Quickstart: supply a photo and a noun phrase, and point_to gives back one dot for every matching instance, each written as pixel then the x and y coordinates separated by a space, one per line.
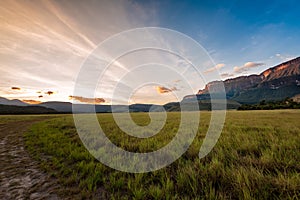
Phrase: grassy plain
pixel 256 157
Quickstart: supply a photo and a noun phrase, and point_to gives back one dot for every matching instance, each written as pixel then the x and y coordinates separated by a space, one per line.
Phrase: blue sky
pixel 235 32
pixel 44 43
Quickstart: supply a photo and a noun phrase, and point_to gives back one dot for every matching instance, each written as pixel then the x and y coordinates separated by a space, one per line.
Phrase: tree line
pixel 287 103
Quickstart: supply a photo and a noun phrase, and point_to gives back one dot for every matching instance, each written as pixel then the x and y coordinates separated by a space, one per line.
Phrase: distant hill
pixel 14 102
pixel 203 105
pixel 58 106
pixel 10 109
pixel 67 107
pixel 273 84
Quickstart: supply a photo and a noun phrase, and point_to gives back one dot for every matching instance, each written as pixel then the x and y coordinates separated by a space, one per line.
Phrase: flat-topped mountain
pixel 275 83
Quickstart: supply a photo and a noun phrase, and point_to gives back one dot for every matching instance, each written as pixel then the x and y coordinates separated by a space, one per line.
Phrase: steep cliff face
pixel 287 69
pixel 274 83
pixel 285 74
pixel 232 85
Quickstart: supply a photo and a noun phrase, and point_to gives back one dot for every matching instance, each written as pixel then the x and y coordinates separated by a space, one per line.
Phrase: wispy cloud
pixel 177 80
pixel 45 42
pixel 227 75
pixel 162 90
pixel 217 67
pixel 284 57
pixel 87 100
pixel 30 101
pixel 246 67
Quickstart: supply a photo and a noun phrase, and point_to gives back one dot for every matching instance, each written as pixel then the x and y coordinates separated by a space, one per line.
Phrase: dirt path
pixel 20 176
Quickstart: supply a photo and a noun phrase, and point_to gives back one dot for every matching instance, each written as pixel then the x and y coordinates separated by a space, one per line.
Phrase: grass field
pixel 256 157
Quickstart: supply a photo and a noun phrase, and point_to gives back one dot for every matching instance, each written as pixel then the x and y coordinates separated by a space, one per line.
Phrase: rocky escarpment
pixel 232 86
pixel 274 83
pixel 286 69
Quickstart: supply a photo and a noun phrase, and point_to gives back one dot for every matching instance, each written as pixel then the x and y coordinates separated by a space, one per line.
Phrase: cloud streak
pixel 226 75
pixel 163 90
pixel 30 101
pixel 246 67
pixel 15 88
pixel 217 67
pixel 87 100
pixel 45 42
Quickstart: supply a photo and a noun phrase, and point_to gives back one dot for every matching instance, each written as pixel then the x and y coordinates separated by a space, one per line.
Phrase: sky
pixel 44 44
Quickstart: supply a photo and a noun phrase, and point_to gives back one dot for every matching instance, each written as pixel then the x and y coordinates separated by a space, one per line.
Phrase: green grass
pixel 4 119
pixel 256 157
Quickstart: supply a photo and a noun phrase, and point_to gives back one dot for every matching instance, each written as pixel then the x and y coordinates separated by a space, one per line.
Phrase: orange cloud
pixel 49 93
pixel 87 100
pixel 162 90
pixel 15 88
pixel 30 101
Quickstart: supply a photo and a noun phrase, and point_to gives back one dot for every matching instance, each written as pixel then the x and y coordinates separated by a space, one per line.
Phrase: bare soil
pixel 20 175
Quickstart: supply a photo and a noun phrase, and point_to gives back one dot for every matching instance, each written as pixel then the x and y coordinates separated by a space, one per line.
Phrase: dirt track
pixel 20 176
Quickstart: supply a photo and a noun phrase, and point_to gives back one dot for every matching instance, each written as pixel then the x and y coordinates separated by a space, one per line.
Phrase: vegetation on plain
pixel 256 157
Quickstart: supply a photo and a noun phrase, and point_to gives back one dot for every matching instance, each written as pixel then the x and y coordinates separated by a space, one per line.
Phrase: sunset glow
pixel 44 43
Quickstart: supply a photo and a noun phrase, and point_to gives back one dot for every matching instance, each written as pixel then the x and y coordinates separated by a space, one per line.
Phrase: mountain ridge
pixel 67 107
pixel 13 102
pixel 275 83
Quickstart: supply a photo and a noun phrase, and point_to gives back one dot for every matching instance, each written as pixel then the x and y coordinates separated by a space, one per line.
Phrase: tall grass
pixel 256 157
